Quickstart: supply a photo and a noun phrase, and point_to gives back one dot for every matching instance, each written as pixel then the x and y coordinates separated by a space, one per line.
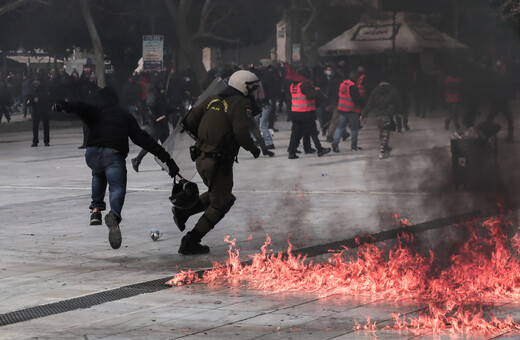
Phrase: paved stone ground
pixel 49 253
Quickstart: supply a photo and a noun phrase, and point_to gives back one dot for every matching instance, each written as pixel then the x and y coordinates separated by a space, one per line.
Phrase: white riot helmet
pixel 243 81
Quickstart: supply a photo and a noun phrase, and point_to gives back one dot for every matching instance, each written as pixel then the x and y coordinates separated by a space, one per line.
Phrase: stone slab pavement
pixel 49 253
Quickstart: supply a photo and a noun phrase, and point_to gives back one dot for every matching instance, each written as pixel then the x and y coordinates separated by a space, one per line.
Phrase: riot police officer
pixel 221 125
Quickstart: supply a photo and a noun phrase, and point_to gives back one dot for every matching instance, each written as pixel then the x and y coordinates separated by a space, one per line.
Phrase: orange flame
pixel 484 270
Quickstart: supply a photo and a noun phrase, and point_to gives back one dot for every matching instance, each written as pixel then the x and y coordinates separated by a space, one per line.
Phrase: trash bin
pixel 474 163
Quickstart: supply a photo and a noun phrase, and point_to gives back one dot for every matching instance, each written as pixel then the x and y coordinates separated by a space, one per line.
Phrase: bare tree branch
pixel 96 42
pixel 12 6
pixel 221 19
pixel 193 54
pixel 210 36
pixel 184 7
pixel 204 14
pixel 312 17
pixel 171 8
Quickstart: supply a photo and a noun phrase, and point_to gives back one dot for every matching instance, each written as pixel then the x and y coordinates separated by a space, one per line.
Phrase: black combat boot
pixel 190 244
pixel 135 164
pixel 180 216
pixel 335 147
pixel 323 151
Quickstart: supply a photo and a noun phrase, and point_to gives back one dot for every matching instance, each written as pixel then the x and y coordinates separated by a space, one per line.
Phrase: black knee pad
pixel 230 204
pixel 223 212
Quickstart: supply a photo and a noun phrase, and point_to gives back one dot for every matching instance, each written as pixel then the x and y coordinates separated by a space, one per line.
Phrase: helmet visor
pixel 256 90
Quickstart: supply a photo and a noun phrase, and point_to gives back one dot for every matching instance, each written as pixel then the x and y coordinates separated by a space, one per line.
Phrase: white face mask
pixel 328 73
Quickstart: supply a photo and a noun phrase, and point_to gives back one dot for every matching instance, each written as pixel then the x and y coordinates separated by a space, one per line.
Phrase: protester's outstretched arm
pixel 85 112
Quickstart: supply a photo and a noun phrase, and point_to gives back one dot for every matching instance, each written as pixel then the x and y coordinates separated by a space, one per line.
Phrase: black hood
pixel 384 87
pixel 107 96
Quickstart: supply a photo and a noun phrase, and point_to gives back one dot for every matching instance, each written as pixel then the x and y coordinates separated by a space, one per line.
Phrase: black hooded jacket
pixel 110 125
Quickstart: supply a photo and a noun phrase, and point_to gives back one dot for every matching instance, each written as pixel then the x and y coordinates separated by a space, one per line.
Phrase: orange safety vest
pixel 345 102
pixel 452 91
pixel 299 101
pixel 361 87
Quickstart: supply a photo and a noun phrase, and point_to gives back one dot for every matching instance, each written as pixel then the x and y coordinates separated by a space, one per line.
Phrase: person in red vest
pixel 452 84
pixel 303 115
pixel 361 82
pixel 350 104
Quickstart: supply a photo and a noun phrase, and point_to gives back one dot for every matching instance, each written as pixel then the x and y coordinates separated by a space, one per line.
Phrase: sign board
pixel 376 32
pixel 296 53
pixel 153 52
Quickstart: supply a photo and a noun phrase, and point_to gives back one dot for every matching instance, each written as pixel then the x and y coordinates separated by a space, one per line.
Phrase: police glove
pixel 256 152
pixel 173 169
pixel 60 106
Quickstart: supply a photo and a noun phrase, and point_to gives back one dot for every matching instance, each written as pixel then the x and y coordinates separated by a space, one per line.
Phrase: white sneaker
pixel 271 131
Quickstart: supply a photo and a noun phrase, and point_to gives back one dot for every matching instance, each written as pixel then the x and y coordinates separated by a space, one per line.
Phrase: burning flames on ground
pixel 484 270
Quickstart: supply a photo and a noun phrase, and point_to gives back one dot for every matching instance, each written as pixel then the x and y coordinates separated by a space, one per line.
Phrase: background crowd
pixel 473 88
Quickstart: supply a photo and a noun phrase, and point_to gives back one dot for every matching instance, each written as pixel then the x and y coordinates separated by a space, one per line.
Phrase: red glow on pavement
pixel 483 271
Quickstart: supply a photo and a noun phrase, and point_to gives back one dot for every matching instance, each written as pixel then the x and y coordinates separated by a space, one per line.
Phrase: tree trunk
pixel 309 54
pixel 308 51
pixel 96 42
pixel 191 52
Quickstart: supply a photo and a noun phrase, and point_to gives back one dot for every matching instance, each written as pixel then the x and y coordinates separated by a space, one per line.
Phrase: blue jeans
pixel 108 166
pixel 264 124
pixel 352 119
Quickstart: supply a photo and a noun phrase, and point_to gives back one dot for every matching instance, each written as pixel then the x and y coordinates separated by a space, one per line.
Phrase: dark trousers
pixel 384 133
pixel 333 123
pixel 324 118
pixel 216 202
pixel 301 130
pixel 4 111
pixel 272 115
pixel 406 109
pixel 44 117
pixel 453 113
pixel 25 108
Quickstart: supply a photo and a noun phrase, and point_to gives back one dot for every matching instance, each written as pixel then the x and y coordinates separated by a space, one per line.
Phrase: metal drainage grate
pixel 82 302
pixel 88 301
